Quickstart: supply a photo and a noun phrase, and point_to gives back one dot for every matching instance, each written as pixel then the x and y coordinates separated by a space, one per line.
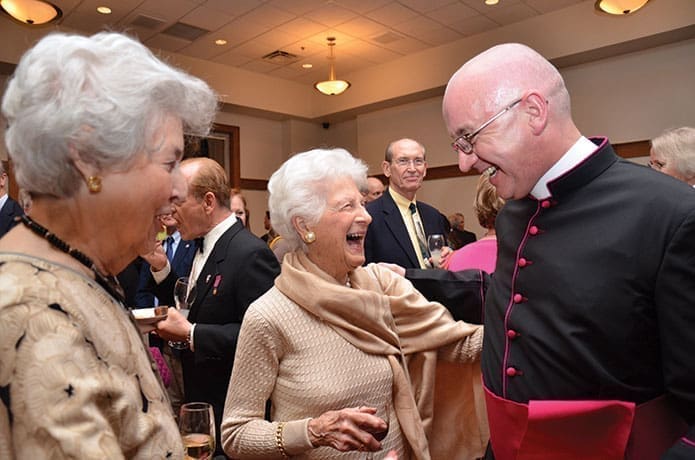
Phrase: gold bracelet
pixel 278 440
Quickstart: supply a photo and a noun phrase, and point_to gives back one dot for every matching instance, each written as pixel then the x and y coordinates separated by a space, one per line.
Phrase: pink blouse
pixel 480 254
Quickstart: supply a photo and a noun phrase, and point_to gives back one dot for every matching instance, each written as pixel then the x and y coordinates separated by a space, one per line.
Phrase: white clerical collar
pixel 580 151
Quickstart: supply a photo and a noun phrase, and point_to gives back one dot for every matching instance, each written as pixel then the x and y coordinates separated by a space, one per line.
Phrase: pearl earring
pixel 309 237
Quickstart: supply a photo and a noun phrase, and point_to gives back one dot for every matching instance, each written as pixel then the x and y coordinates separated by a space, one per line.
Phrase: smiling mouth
pixel 355 237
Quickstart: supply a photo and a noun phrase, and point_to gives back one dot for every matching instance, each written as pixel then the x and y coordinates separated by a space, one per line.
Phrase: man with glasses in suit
pixel 400 224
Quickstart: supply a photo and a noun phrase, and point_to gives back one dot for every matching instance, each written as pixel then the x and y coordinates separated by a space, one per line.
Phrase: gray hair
pixel 103 96
pixel 678 147
pixel 388 154
pixel 300 187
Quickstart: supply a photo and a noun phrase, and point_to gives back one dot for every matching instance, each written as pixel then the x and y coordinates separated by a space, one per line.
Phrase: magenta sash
pixel 581 430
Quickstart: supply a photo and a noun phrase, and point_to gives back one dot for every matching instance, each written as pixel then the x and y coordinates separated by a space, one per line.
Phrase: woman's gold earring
pixel 94 184
pixel 309 237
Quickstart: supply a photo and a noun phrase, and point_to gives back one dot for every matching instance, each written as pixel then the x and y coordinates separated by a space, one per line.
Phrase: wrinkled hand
pixel 157 258
pixel 445 257
pixel 175 327
pixel 393 267
pixel 347 429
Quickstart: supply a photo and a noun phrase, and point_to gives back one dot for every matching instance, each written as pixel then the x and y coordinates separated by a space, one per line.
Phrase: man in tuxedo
pixel 231 269
pixel 400 224
pixel 9 208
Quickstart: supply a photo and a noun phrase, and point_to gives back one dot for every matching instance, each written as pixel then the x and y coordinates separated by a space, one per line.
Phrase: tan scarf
pixel 407 328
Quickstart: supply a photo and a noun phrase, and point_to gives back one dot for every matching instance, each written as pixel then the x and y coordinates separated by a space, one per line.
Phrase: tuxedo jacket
pixel 9 211
pixel 180 266
pixel 387 238
pixel 239 269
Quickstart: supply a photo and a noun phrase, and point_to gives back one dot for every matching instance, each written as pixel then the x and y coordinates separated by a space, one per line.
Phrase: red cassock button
pixel 545 204
pixel 518 298
pixel 533 230
pixel 511 372
pixel 512 334
pixel 522 262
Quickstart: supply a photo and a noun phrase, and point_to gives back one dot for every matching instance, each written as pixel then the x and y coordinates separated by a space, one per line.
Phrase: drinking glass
pixel 197 428
pixel 184 298
pixel 435 244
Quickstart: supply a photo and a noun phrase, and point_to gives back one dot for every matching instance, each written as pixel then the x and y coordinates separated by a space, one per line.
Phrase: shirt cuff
pixel 190 338
pixel 161 274
pixel 295 437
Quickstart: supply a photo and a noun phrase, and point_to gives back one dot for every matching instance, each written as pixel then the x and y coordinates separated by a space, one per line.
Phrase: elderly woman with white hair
pixel 347 355
pixel 95 131
pixel 673 153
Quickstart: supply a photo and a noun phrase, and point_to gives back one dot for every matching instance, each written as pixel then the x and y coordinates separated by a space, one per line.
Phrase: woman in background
pixel 95 131
pixel 481 254
pixel 673 153
pixel 340 349
pixel 237 203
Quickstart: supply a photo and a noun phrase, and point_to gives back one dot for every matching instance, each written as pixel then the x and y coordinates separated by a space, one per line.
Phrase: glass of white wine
pixel 184 298
pixel 435 244
pixel 197 427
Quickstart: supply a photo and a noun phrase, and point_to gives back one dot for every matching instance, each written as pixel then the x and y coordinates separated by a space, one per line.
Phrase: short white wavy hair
pixel 301 185
pixel 102 95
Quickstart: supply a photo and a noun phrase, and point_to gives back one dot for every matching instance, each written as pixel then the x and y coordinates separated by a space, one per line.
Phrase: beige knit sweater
pixel 305 367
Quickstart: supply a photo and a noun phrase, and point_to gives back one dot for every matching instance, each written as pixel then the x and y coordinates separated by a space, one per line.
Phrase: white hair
pixel 677 145
pixel 300 187
pixel 103 96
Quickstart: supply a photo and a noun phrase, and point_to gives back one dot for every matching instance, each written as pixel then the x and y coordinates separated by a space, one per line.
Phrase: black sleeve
pixel 463 292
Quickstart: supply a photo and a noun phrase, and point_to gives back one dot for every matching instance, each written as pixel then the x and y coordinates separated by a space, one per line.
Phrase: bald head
pixel 512 106
pixel 375 188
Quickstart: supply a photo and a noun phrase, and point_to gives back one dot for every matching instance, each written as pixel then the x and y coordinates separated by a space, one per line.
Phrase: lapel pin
pixel 207 279
pixel 216 284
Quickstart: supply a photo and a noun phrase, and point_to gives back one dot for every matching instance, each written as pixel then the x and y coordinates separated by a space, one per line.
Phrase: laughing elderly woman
pixel 339 349
pixel 95 133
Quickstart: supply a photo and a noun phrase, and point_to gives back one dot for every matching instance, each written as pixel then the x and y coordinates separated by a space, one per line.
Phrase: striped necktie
pixel 420 234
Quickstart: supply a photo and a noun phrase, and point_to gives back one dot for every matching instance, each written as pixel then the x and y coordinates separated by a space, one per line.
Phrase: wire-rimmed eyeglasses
pixel 464 143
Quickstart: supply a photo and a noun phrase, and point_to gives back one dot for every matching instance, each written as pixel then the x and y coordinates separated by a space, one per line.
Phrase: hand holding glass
pixel 197 427
pixel 184 298
pixel 435 244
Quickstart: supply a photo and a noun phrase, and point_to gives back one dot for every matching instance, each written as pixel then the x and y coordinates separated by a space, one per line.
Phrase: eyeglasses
pixel 405 162
pixel 656 164
pixel 464 143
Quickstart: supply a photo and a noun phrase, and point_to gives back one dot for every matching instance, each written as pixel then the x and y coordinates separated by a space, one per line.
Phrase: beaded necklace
pixel 109 283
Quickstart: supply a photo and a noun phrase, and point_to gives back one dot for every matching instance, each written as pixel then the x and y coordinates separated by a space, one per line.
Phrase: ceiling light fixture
pixel 103 10
pixel 619 7
pixel 31 12
pixel 491 2
pixel 332 87
pixel 220 42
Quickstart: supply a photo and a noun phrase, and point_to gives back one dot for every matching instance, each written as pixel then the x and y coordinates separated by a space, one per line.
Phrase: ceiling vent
pixel 386 38
pixel 147 22
pixel 280 57
pixel 185 31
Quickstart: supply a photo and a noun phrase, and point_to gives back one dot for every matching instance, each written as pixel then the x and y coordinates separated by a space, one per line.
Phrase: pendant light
pixel 31 12
pixel 332 86
pixel 619 7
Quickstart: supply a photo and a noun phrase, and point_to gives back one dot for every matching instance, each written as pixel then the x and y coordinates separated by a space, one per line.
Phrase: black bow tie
pixel 199 243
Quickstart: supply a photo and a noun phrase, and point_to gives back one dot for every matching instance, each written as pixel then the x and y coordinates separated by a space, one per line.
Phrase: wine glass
pixel 435 244
pixel 383 411
pixel 197 428
pixel 184 298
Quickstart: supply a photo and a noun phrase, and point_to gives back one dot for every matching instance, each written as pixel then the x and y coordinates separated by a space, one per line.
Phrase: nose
pixel 365 216
pixel 179 189
pixel 466 161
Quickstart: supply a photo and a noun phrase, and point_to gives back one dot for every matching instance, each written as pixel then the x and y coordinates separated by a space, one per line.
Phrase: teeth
pixel 354 236
pixel 491 171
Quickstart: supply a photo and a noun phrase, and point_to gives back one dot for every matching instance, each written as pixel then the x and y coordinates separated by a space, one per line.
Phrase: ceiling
pixel 367 32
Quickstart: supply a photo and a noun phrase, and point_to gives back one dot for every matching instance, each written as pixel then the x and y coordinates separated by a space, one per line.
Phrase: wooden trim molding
pixel 625 150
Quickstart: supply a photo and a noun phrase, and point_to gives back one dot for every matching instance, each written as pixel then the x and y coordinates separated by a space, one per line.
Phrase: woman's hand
pixel 157 258
pixel 445 257
pixel 347 429
pixel 175 327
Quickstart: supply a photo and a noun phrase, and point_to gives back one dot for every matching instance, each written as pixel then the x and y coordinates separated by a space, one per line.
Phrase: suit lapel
pixel 212 268
pixel 394 221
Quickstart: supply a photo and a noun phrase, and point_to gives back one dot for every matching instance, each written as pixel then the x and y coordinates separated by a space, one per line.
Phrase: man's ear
pixel 537 109
pixel 386 168
pixel 210 202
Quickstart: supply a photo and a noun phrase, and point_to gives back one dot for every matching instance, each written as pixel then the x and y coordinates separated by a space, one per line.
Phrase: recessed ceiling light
pixel 104 9
pixel 307 66
pixel 491 2
pixel 220 42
